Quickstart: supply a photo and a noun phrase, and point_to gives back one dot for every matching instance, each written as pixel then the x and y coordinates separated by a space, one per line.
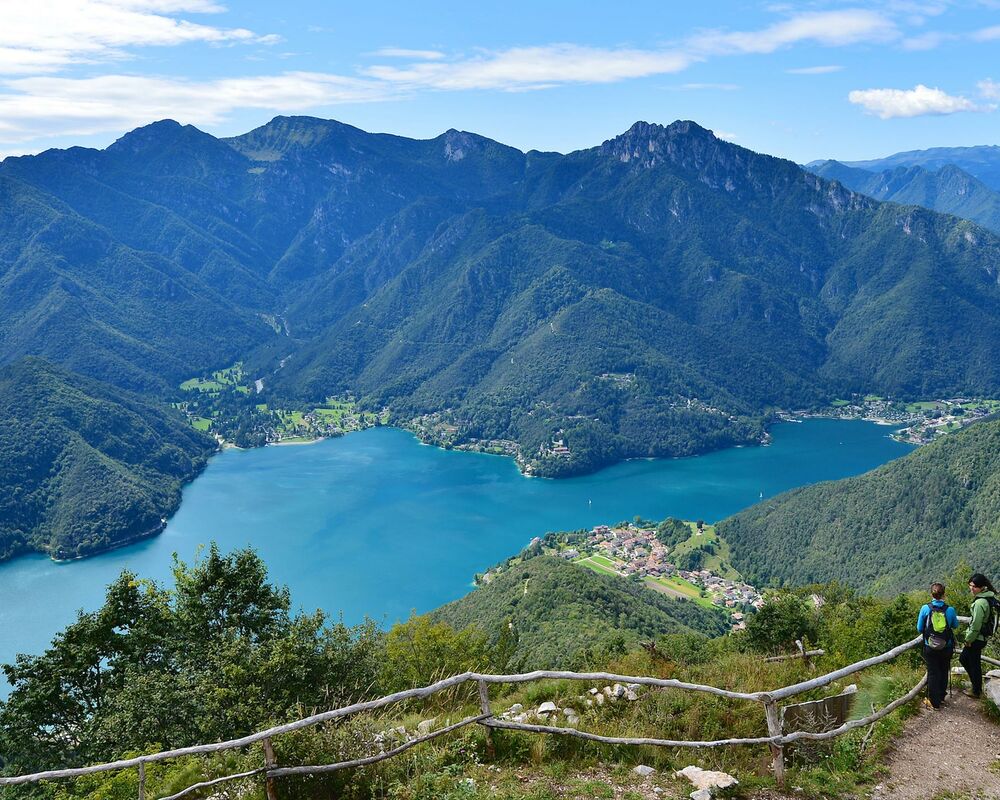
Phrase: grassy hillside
pixel 566 616
pixel 86 466
pixel 895 528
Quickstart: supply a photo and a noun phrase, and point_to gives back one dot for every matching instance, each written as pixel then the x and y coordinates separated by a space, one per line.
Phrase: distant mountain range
pixel 948 189
pixel 656 295
pixel 982 162
pixel 896 528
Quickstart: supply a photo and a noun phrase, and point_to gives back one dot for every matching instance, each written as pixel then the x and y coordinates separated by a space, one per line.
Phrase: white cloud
pixel 522 68
pixel 119 102
pixel 828 28
pixel 402 52
pixel 987 34
pixel 989 89
pixel 720 87
pixel 915 102
pixel 46 35
pixel 927 41
pixel 820 70
pixel 533 68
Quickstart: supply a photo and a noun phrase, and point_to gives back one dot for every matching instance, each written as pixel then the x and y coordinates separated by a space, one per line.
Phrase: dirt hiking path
pixel 964 765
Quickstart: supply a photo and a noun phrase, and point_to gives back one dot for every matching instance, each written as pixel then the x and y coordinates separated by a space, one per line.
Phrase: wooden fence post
pixel 142 780
pixel 777 750
pixel 484 707
pixel 270 762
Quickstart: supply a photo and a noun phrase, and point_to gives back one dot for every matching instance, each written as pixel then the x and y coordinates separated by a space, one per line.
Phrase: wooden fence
pixel 776 739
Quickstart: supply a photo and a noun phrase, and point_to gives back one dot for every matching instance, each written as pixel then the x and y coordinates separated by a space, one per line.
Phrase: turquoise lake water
pixel 377 524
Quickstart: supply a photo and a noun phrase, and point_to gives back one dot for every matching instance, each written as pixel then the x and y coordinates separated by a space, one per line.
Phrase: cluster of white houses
pixel 637 551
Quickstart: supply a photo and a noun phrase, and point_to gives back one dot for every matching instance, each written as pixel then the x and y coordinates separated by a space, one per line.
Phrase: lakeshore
pixel 374 524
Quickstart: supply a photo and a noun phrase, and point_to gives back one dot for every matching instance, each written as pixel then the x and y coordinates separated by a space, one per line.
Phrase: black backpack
pixel 933 638
pixel 992 616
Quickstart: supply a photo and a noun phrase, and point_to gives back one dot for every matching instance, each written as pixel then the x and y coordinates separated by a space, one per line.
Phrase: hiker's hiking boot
pixel 973 695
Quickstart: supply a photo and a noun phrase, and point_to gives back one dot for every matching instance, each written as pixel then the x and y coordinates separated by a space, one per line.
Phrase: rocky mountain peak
pixel 648 144
pixel 160 134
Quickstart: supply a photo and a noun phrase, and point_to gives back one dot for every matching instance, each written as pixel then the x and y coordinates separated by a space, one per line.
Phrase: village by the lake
pixel 679 558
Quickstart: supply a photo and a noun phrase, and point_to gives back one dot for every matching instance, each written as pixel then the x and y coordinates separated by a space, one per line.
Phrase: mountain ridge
pixel 658 294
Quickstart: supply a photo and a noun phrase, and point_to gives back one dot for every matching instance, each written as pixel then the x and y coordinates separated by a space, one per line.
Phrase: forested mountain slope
pixel 652 296
pixel 898 527
pixel 69 291
pixel 86 467
pixel 656 295
pixel 949 190
pixel 563 616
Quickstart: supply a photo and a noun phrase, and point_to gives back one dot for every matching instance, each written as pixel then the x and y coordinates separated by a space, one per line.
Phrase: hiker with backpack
pixel 937 623
pixel 985 615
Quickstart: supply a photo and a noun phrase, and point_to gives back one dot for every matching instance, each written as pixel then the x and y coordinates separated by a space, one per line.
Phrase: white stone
pixel 992 686
pixel 547 707
pixel 701 794
pixel 573 720
pixel 630 695
pixel 595 691
pixel 607 691
pixel 426 726
pixel 705 778
pixel 599 699
pixel 643 770
pixel 569 712
pixel 635 687
pixel 618 690
pixel 517 708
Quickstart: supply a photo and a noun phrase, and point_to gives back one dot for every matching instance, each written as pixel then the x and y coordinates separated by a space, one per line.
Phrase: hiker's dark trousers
pixel 971 659
pixel 938 663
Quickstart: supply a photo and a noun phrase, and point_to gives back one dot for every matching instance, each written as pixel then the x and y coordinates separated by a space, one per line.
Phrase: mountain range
pixel 982 161
pixel 656 295
pixel 948 189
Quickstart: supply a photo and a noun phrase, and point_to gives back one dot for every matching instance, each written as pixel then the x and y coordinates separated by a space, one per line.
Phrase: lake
pixel 376 524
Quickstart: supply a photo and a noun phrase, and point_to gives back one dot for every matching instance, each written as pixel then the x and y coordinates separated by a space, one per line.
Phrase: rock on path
pixel 964 764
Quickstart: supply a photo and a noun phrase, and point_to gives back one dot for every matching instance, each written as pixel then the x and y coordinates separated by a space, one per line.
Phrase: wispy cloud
pixel 990 34
pixel 918 101
pixel 820 70
pixel 402 52
pixel 533 68
pixel 827 28
pixel 46 35
pixel 928 41
pixel 117 102
pixel 39 38
pixel 711 87
pixel 989 89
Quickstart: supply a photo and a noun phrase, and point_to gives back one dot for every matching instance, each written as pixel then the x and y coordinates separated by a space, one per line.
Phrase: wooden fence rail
pixel 776 738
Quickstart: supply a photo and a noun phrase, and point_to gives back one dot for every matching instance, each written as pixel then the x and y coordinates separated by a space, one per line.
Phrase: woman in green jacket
pixel 984 617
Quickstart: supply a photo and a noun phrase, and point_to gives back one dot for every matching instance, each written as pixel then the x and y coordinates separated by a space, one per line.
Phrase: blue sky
pixel 799 80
